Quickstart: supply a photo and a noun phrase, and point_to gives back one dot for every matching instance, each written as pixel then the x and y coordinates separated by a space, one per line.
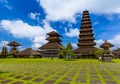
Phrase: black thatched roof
pixel 106 45
pixel 54 39
pixel 28 52
pixel 13 43
pixel 117 51
pixel 52 46
pixel 84 50
pixel 53 33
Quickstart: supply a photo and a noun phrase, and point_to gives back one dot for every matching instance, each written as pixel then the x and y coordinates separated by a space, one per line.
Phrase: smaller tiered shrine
pixel 51 48
pixel 106 46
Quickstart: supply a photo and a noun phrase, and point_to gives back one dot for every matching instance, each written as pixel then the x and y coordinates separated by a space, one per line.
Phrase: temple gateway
pixel 86 38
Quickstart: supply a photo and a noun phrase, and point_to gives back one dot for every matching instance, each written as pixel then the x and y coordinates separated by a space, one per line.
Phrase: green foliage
pixel 4 50
pixel 69 52
pixel 61 53
pixel 98 52
pixel 69 46
pixel 10 56
pixel 13 52
pixel 80 55
pixel 31 56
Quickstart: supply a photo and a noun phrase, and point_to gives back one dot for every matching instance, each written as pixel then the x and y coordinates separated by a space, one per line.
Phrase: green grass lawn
pixel 59 71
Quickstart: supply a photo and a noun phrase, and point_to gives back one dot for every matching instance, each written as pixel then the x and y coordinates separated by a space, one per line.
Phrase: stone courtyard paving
pixel 58 71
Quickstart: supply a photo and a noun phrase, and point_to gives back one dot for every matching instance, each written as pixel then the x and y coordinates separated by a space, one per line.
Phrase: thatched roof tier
pixel 85 15
pixel 86 30
pixel 85 12
pixel 86 19
pixel 54 39
pixel 28 52
pixel 13 43
pixel 86 25
pixel 86 34
pixel 54 45
pixel 117 51
pixel 106 45
pixel 53 33
pixel 86 22
pixel 84 39
pixel 87 44
pixel 84 50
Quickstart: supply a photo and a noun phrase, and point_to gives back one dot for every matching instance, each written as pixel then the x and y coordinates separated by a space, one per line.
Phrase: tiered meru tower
pixel 86 37
pixel 51 48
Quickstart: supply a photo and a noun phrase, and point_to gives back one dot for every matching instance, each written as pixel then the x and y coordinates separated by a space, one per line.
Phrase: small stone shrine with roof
pixel 106 47
pixel 51 48
pixel 86 37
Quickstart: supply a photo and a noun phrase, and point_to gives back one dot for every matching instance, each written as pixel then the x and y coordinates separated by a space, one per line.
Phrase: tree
pixel 98 52
pixel 61 53
pixel 69 51
pixel 69 46
pixel 4 52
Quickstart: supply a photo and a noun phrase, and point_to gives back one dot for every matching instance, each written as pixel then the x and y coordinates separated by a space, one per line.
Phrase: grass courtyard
pixel 59 71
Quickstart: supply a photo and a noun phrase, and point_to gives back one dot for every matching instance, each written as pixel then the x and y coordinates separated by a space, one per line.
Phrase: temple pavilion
pixel 28 52
pixel 86 37
pixel 106 46
pixel 13 46
pixel 51 48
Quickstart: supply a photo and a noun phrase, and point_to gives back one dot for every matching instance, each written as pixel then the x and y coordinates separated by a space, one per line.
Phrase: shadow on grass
pixel 3 72
pixel 108 61
pixel 69 59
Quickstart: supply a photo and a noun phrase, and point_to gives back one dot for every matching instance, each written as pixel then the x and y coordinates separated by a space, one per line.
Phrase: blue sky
pixel 28 21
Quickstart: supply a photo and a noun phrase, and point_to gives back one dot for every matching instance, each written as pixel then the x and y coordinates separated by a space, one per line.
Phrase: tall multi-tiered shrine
pixel 51 48
pixel 86 37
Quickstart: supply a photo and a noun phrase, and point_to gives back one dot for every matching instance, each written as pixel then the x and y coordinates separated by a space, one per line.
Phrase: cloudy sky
pixel 28 21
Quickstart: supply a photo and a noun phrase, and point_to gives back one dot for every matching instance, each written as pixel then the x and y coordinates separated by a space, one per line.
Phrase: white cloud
pixel 115 41
pixel 36 45
pixel 6 4
pixel 3 43
pixel 67 9
pixel 47 26
pixel 34 16
pixel 74 45
pixel 99 42
pixel 95 23
pixel 19 29
pixel 72 32
pixel 38 41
